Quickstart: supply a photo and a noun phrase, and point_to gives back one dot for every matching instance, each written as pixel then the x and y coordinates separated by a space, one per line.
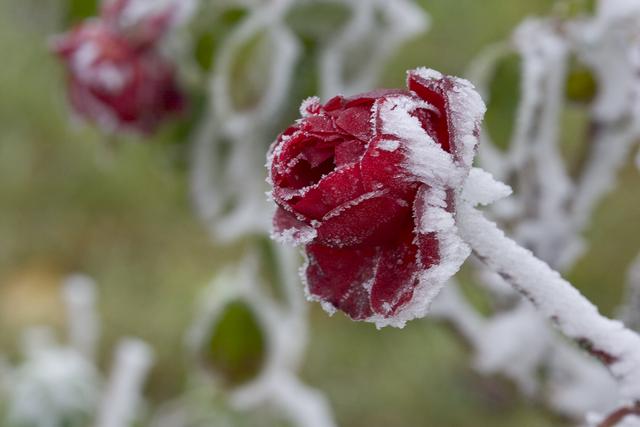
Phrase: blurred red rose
pixel 118 79
pixel 368 185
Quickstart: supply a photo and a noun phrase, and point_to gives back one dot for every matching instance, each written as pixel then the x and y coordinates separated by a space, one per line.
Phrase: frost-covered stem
pixel 5 372
pixel 619 415
pixel 631 311
pixel 452 307
pixel 288 264
pixel 203 195
pixel 79 295
pixel 305 406
pixel 611 148
pixel 577 318
pixel 133 360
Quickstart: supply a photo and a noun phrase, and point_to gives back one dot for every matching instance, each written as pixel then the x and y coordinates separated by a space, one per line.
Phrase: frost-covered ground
pixel 68 203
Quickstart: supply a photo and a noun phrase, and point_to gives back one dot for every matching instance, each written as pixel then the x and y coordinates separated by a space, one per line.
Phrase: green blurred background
pixel 73 200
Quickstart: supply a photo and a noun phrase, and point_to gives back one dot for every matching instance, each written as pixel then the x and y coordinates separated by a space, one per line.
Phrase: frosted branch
pixel 630 314
pixel 285 330
pixel 82 321
pixel 403 20
pixel 133 359
pixel 608 340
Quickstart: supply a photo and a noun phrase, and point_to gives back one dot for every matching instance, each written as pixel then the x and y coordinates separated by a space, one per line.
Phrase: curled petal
pixel 459 103
pixel 340 278
pixel 289 229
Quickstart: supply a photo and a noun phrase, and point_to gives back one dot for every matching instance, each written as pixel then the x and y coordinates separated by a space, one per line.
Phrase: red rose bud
pixel 369 184
pixel 117 77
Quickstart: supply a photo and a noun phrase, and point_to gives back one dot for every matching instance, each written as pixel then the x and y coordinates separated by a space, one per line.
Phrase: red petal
pixel 284 220
pixel 302 161
pixel 384 169
pixel 396 275
pixel 428 245
pixel 435 93
pixel 372 220
pixel 356 121
pixel 333 190
pixel 339 276
pixel 334 103
pixel 348 152
pixel 319 124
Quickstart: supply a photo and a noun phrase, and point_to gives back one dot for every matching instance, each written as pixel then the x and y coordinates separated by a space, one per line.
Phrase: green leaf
pixel 79 10
pixel 249 71
pixel 212 33
pixel 504 97
pixel 236 349
pixel 568 9
pixel 317 21
pixel 581 86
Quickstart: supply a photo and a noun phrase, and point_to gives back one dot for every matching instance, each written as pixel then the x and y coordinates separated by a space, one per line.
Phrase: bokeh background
pixel 118 209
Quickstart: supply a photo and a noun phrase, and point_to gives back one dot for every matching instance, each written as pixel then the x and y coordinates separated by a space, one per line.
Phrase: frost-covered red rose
pixel 118 79
pixel 368 185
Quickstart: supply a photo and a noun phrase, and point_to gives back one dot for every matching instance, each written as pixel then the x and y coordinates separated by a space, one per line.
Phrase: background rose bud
pixel 117 77
pixel 368 184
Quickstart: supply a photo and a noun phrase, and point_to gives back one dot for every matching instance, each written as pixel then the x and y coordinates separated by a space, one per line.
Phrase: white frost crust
pixel 630 312
pixel 426 159
pixel 466 110
pixel 123 395
pixel 54 383
pixel 295 236
pixel 513 343
pixel 577 384
pixel 309 105
pixel 481 188
pixel 428 73
pixel 556 299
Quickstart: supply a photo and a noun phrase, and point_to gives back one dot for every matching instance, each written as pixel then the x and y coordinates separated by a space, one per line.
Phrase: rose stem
pixel 576 317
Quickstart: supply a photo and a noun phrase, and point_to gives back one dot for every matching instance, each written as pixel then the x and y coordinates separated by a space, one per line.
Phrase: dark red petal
pixel 396 274
pixel 349 151
pixel 339 276
pixel 284 220
pixel 435 93
pixel 428 245
pixel 355 223
pixel 370 97
pixel 332 191
pixel 356 121
pixel 319 124
pixel 384 169
pixel 334 103
pixel 302 161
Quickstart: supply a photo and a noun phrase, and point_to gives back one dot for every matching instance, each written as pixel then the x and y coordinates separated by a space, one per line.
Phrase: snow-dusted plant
pixel 228 184
pixel 379 188
pixel 379 191
pixel 121 78
pixel 60 384
pixel 592 62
